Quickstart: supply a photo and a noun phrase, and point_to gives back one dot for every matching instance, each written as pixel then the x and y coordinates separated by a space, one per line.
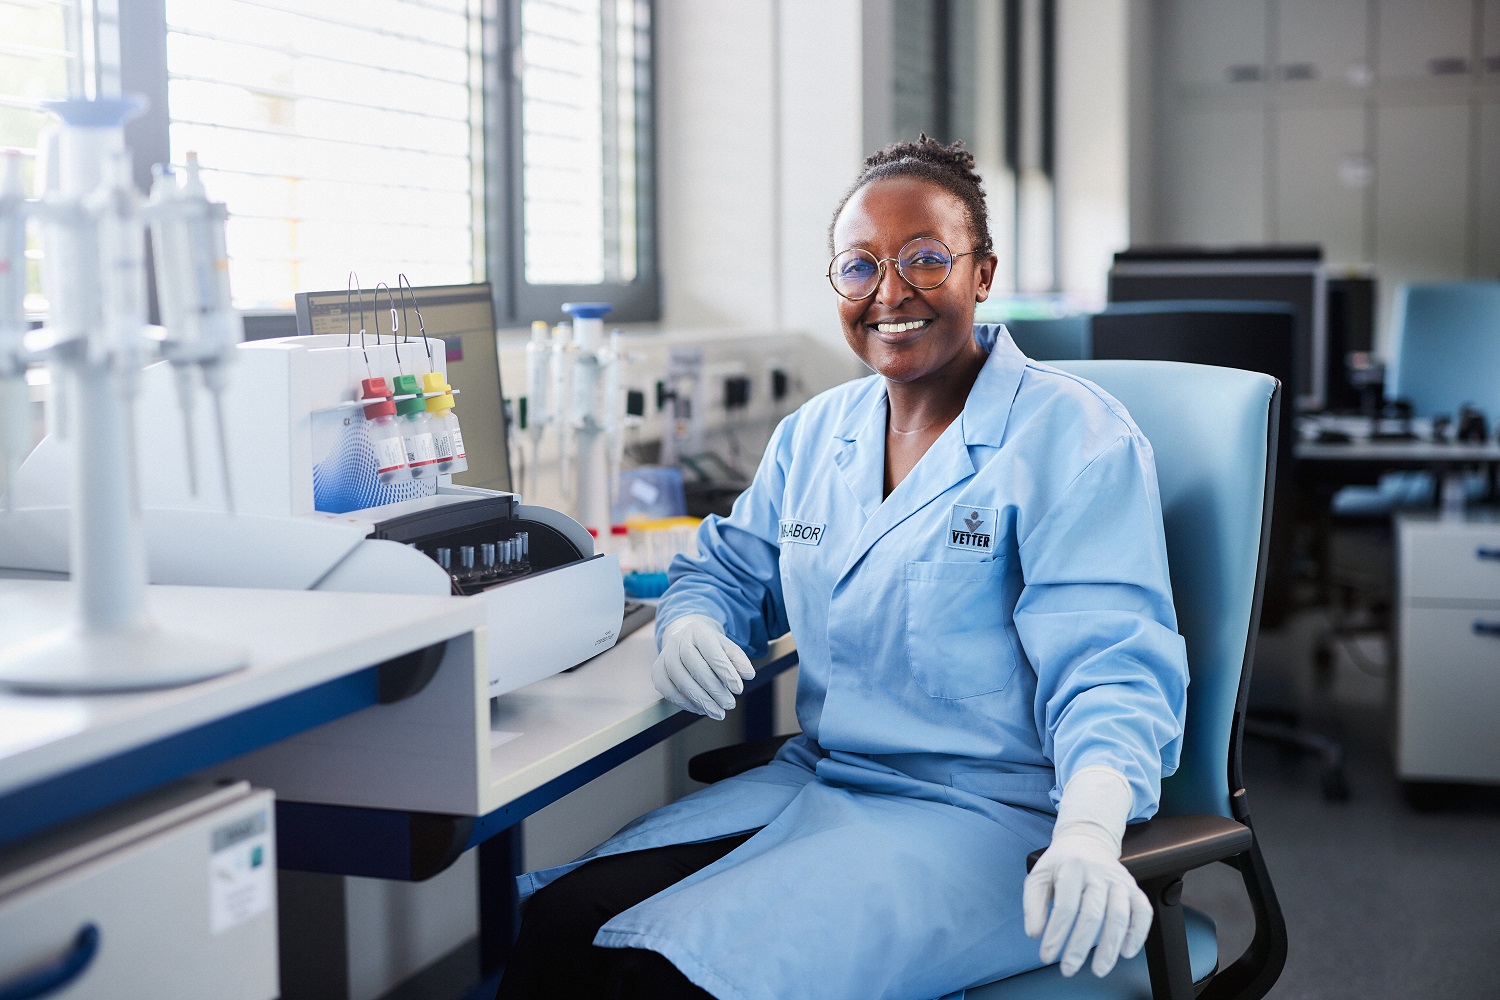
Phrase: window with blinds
pixel 584 81
pixel 42 58
pixel 341 136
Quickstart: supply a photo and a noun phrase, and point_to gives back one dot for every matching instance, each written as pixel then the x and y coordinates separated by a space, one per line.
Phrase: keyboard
pixel 637 613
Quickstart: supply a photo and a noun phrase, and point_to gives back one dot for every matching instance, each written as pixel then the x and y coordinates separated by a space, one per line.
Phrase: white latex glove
pixel 700 668
pixel 1080 876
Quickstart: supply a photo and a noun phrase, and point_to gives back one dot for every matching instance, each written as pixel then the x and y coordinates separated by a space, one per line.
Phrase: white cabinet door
pixel 1218 41
pixel 1215 177
pixel 1421 39
pixel 177 890
pixel 1448 687
pixel 1487 212
pixel 1322 40
pixel 1421 193
pixel 1322 177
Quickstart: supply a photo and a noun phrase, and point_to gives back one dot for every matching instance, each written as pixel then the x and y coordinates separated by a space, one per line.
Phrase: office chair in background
pixel 1214 434
pixel 1063 338
pixel 1259 337
pixel 1445 355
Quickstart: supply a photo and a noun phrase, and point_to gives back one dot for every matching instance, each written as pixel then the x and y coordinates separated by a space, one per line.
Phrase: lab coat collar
pixel 861 459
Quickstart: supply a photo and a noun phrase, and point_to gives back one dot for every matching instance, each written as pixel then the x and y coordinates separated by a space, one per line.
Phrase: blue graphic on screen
pixel 348 479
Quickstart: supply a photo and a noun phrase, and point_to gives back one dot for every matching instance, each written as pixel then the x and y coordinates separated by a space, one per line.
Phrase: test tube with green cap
pixel 416 429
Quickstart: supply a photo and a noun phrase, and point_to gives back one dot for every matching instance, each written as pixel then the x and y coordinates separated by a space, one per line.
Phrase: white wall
pixel 760 129
pixel 716 163
pixel 822 147
pixel 1093 179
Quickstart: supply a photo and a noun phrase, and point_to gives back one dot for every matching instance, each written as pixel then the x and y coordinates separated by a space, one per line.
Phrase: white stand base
pixel 68 661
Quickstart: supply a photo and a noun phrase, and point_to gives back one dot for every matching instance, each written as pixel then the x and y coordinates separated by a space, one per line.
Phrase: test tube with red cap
pixel 385 432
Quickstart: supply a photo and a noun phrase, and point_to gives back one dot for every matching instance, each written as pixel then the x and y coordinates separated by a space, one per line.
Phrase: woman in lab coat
pixel 968 548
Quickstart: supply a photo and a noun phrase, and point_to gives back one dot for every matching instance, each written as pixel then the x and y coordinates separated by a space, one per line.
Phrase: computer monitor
pixel 1290 274
pixel 1351 330
pixel 463 317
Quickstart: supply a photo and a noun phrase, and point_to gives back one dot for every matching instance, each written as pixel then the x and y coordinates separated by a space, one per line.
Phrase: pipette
pixel 192 275
pixel 15 414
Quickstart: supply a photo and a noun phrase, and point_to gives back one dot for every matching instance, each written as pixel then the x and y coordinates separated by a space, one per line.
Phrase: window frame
pixel 142 67
pixel 516 298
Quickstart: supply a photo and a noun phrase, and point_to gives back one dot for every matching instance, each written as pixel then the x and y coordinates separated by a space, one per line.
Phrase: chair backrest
pixel 1445 346
pixel 1255 336
pixel 1062 338
pixel 1213 432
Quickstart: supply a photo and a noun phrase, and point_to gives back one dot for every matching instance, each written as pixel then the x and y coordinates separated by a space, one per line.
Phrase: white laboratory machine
pixel 310 511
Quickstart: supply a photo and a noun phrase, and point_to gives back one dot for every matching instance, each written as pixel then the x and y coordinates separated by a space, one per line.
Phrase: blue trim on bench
pixel 30 810
pixel 377 843
pixel 509 815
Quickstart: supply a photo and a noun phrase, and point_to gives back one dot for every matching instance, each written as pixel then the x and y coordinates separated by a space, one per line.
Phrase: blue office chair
pixel 1445 345
pixel 1063 338
pixel 1445 353
pixel 1214 433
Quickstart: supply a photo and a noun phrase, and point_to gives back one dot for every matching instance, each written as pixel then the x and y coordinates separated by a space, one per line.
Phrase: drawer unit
pixel 1448 694
pixel 1448 647
pixel 172 895
pixel 1455 560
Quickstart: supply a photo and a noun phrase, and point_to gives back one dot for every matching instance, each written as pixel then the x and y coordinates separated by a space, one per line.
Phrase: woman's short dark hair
pixel 951 167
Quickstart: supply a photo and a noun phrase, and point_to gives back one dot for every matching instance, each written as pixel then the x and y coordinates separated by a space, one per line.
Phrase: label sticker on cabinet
pixel 241 872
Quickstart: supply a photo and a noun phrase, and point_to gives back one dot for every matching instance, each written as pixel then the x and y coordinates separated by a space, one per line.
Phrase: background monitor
pixel 463 317
pixel 1351 330
pixel 1293 275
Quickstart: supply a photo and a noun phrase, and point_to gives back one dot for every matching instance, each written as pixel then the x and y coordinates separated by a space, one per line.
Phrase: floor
pixel 1381 900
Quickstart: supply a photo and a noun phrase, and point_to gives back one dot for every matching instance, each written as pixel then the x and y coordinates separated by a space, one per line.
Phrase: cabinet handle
pixel 1448 66
pixel 1487 628
pixel 1484 552
pixel 58 973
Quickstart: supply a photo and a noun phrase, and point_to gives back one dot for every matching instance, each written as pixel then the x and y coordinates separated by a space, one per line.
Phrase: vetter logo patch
pixel 972 528
pixel 800 532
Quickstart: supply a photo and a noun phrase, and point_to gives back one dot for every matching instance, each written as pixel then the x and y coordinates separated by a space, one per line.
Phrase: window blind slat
pixel 578 138
pixel 341 137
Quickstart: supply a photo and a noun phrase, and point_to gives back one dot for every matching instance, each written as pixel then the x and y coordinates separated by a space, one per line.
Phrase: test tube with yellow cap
pixel 446 437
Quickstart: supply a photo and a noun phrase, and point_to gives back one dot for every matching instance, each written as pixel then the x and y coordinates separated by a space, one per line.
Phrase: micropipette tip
pixel 223 451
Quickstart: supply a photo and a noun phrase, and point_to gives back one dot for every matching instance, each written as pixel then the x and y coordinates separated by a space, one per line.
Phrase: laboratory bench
pixel 122 871
pixel 367 715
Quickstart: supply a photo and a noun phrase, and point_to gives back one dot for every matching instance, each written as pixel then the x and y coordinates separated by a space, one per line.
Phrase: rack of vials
pixel 477 567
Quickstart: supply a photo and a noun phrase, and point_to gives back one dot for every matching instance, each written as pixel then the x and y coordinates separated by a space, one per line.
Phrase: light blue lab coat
pixel 1003 619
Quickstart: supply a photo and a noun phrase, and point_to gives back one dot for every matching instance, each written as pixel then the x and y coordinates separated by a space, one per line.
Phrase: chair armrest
pixel 1172 845
pixel 726 762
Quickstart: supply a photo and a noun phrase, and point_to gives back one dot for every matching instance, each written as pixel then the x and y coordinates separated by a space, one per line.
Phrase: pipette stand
pixel 112 644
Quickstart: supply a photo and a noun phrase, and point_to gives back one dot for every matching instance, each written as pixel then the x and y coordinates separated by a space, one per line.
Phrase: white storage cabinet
pixel 171 897
pixel 1448 683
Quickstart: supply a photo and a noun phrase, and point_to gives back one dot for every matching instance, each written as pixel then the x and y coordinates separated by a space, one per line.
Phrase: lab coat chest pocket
pixel 959 638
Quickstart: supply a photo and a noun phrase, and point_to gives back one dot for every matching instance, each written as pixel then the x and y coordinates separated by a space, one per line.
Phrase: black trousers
pixel 554 954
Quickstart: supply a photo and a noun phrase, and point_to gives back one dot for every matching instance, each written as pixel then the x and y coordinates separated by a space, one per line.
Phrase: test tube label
pixel 420 450
pixel 389 455
pixel 458 444
pixel 443 445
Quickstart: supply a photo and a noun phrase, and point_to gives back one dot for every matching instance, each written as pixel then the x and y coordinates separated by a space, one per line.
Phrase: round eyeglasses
pixel 924 263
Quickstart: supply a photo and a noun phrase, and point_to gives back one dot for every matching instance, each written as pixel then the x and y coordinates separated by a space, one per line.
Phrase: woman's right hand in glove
pixel 699 668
